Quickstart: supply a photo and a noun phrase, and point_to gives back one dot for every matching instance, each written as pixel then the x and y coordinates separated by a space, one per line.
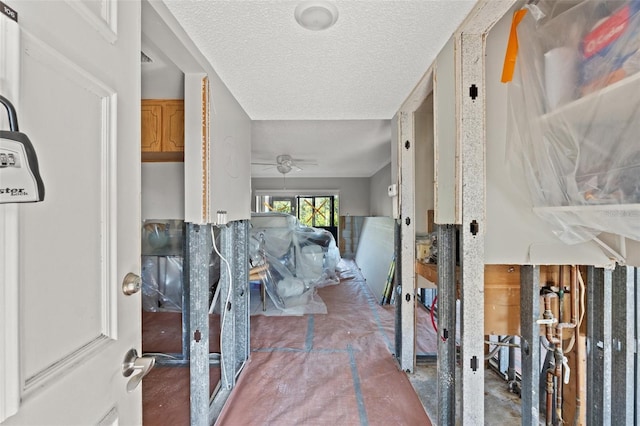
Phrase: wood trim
pixel 206 120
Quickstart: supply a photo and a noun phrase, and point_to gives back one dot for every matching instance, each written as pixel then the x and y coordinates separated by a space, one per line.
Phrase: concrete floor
pixel 501 406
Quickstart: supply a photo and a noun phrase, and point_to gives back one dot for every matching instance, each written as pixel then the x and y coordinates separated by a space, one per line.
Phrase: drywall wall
pixel 378 192
pixel 353 192
pixel 161 79
pixel 225 179
pixel 424 166
pixel 162 191
pixel 375 252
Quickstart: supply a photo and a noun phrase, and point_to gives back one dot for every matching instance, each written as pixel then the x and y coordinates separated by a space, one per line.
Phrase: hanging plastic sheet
pixel 162 278
pixel 574 116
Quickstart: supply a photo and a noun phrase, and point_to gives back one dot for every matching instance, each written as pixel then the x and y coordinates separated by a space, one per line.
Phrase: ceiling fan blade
pixel 305 162
pixel 260 163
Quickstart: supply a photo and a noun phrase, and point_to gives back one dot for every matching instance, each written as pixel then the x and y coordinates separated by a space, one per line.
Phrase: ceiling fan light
pixel 316 15
pixel 283 168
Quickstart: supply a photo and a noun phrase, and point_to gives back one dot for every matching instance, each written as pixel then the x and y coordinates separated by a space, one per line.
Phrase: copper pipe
pixel 559 356
pixel 575 299
pixel 548 314
pixel 549 415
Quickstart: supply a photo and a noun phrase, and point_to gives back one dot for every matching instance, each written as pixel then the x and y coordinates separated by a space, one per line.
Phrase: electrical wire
pixel 433 320
pixel 226 303
pixel 158 354
pixel 502 342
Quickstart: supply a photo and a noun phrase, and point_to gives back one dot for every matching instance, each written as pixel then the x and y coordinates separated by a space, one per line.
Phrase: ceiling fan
pixel 285 163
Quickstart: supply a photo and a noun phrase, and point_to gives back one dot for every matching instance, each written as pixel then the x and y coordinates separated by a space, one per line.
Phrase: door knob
pixel 136 367
pixel 131 284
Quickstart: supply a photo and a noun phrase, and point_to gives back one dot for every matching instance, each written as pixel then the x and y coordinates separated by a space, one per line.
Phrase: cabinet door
pixel 173 117
pixel 151 126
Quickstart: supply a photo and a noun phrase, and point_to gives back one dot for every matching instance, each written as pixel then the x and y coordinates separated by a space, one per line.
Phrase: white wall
pixel 227 179
pixel 166 82
pixel 378 192
pixel 162 191
pixel 353 192
pixel 230 157
pixel 424 166
pixel 375 252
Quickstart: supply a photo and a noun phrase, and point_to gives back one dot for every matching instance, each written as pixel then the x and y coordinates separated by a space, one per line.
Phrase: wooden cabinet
pixel 162 130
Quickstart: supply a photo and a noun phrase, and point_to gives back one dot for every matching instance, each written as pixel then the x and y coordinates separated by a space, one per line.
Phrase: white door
pixel 79 103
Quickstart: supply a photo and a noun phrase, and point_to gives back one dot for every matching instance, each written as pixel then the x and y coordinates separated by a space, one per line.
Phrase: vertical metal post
pixel 408 246
pixel 227 310
pixel 240 269
pixel 595 345
pixel 397 235
pixel 607 317
pixel 530 343
pixel 234 309
pixel 599 346
pixel 623 345
pixel 446 324
pixel 636 328
pixel 472 160
pixel 198 239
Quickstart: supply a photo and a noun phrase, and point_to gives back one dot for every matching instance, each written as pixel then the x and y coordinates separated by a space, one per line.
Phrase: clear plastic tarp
pixel 291 261
pixel 574 115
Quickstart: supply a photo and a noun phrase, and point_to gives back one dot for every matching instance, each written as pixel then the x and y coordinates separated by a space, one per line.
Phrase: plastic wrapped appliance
pixel 295 260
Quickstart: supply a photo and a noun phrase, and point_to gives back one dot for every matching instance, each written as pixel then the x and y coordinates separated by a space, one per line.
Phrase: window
pixel 318 211
pixel 276 204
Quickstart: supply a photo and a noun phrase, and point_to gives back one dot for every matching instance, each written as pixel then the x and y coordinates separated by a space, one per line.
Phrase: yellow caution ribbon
pixel 512 47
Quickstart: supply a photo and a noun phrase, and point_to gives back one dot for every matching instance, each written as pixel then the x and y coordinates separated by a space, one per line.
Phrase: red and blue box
pixel 611 50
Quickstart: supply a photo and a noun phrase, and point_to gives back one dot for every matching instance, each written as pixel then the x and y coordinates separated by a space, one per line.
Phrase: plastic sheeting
pixel 162 265
pixel 301 369
pixel 292 261
pixel 162 278
pixel 326 369
pixel 162 272
pixel 574 116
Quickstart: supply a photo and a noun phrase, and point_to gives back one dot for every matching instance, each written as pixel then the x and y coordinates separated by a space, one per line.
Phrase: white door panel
pixel 79 104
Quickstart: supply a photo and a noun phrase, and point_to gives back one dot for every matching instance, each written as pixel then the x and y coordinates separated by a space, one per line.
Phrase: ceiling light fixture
pixel 316 15
pixel 283 168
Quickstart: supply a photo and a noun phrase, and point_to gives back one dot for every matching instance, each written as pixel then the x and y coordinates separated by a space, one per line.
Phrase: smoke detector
pixel 316 15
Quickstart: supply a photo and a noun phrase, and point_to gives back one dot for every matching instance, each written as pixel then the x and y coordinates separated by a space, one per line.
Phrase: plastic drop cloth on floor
pixel 291 262
pixel 335 369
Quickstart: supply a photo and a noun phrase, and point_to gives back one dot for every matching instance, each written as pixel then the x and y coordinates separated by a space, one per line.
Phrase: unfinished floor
pixel 335 368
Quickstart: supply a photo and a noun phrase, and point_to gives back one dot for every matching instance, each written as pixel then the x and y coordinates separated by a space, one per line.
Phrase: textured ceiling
pixel 362 68
pixel 345 148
